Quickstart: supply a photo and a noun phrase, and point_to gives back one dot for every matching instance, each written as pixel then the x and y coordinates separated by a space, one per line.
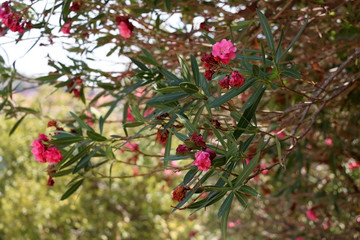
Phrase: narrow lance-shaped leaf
pixel 226 205
pixel 72 189
pixel 247 170
pixel 266 29
pixel 195 70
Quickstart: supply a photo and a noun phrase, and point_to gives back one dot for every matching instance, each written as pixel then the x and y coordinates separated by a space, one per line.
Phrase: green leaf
pixel 101 124
pixel 170 89
pixel 149 56
pixel 291 73
pixel 174 158
pixel 248 190
pixel 188 87
pixel 189 126
pixel 49 77
pixel 168 5
pixel 278 148
pixel 66 140
pixel 139 64
pixel 255 96
pixel 210 39
pixel 132 124
pixel 61 173
pixel 204 85
pixel 232 93
pixel 85 160
pixel 242 199
pixel 79 155
pixel 195 70
pixel 66 10
pixel 247 116
pixel 16 125
pixel 81 123
pixel 295 38
pixel 190 175
pixel 224 223
pixel 95 136
pixel 167 98
pixel 168 147
pixel 247 170
pixel 266 29
pixel 255 70
pixel 185 72
pixel 72 189
pixel 226 205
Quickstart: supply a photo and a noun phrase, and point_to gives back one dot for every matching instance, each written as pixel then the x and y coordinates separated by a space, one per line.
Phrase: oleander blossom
pixel 311 215
pixel 125 26
pixel 224 51
pixel 202 160
pixel 43 153
pixel 53 155
pixel 237 80
pixel 66 27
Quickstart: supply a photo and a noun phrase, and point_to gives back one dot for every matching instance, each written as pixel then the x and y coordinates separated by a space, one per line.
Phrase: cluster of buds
pixel 13 20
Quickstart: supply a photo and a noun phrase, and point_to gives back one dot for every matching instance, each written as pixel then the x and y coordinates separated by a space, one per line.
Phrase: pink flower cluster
pixel 223 52
pixel 12 20
pixel 125 26
pixel 43 153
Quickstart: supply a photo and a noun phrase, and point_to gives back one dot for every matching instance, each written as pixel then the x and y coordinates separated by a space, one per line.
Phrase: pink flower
pixel 238 221
pixel 311 215
pixel 38 150
pixel 66 27
pixel 202 160
pixel 224 51
pixel 237 80
pixel 43 137
pixel 299 238
pixel 263 165
pixel 132 146
pixel 75 6
pixel 231 224
pixel 328 141
pixel 225 82
pixel 125 27
pixel 182 149
pixel 129 116
pixel 53 155
pixel 354 165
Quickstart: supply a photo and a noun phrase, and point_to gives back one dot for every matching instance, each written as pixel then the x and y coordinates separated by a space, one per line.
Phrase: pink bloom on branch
pixel 53 155
pixel 125 27
pixel 50 182
pixel 209 61
pixel 202 160
pixel 231 224
pixel 132 146
pixel 208 74
pixel 38 150
pixel 211 152
pixel 129 116
pixel 237 80
pixel 354 165
pixel 224 51
pixel 311 215
pixel 263 165
pixel 66 27
pixel 329 141
pixel 43 137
